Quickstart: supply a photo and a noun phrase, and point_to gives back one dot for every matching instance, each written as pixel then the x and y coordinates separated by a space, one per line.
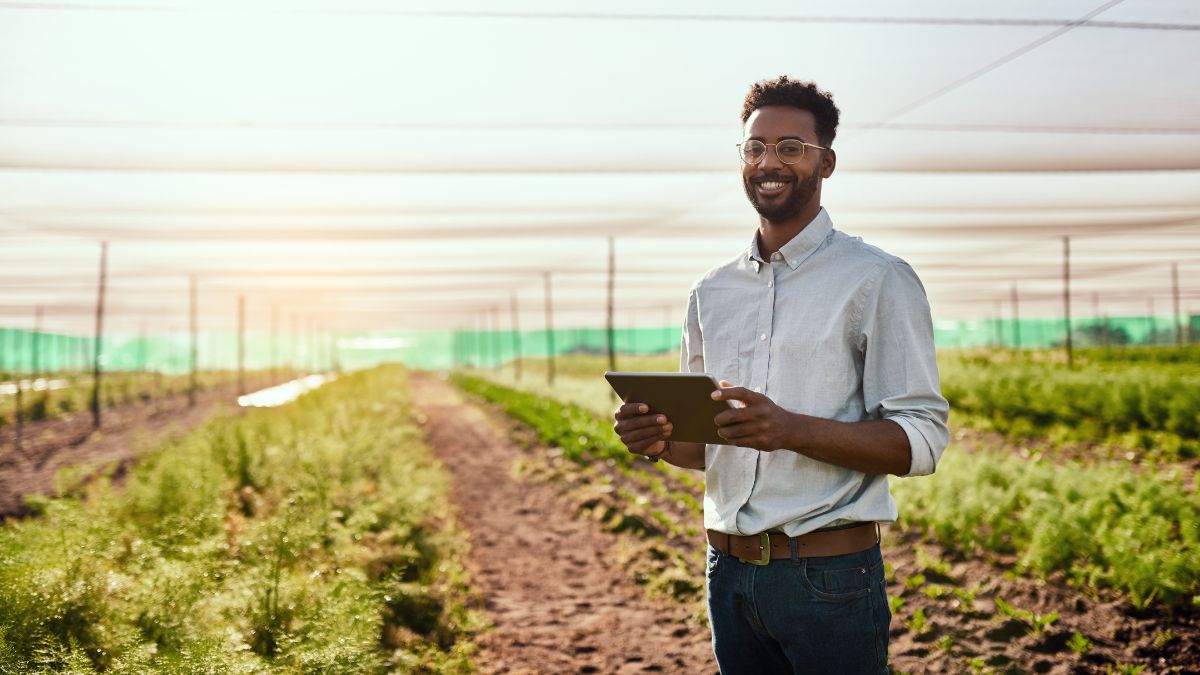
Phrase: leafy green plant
pixel 1079 644
pixel 917 623
pixel 284 540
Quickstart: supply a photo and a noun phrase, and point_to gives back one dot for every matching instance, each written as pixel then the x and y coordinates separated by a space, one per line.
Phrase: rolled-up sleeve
pixel 900 376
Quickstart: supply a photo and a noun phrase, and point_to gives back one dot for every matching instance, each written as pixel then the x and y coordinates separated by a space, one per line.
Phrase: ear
pixel 828 162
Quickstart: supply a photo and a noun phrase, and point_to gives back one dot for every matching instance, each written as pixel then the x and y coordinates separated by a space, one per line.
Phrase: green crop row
pixel 1156 407
pixel 1102 525
pixel 116 389
pixel 578 432
pixel 313 537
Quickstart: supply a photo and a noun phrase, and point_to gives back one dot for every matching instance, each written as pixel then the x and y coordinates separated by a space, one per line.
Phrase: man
pixel 830 343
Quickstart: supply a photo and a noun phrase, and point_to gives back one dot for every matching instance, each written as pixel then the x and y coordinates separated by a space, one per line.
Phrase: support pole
pixel 99 336
pixel 549 330
pixel 1016 314
pixel 1175 296
pixel 1067 299
pixel 195 342
pixel 241 345
pixel 37 342
pixel 516 329
pixel 612 273
pixel 19 414
pixel 274 343
pixel 496 346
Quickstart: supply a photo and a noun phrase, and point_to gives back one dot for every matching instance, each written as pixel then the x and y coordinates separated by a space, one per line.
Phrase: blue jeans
pixel 804 615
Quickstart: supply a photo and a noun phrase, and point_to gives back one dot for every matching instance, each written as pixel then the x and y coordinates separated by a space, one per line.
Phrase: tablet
pixel 685 398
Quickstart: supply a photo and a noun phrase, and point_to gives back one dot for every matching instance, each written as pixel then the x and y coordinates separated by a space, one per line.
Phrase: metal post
pixel 612 341
pixel 19 415
pixel 549 330
pixel 1016 314
pixel 37 342
pixel 99 337
pixel 496 346
pixel 1067 298
pixel 241 345
pixel 516 329
pixel 195 343
pixel 1175 295
pixel 274 342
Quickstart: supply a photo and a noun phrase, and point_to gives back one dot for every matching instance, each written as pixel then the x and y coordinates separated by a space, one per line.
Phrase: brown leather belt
pixel 762 548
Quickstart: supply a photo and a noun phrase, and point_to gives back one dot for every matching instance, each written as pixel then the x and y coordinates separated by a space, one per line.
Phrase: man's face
pixel 780 191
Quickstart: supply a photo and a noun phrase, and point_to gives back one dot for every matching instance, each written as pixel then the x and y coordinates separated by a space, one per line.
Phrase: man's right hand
pixel 642 432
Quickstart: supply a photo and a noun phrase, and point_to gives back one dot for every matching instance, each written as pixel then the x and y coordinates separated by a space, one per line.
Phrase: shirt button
pixel 762 337
pixel 758 390
pixel 776 256
pixel 770 284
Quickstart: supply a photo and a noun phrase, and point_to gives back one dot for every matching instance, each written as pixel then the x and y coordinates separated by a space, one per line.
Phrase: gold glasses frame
pixel 785 142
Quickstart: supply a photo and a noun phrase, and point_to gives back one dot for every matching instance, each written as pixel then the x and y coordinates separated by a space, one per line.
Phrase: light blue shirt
pixel 830 327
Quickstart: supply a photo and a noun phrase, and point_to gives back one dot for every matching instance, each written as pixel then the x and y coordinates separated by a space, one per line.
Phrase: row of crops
pixel 58 395
pixel 1134 532
pixel 313 537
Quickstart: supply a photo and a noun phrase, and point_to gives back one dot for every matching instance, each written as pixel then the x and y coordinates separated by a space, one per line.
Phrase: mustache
pixel 763 178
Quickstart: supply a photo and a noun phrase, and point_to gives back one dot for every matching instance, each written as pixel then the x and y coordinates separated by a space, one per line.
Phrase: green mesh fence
pixel 25 351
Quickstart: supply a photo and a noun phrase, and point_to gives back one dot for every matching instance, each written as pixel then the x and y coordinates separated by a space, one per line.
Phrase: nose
pixel 771 159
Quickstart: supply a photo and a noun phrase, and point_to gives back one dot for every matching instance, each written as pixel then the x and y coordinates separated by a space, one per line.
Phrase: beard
pixel 801 194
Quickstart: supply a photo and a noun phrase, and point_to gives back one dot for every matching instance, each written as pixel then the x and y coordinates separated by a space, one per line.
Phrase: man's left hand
pixel 760 424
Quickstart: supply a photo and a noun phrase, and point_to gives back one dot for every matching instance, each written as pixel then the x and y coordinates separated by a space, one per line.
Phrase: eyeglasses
pixel 789 151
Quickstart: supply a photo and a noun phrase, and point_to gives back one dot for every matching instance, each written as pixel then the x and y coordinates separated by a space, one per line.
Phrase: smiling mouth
pixel 770 187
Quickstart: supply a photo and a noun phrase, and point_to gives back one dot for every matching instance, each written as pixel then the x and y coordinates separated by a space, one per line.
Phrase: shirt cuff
pixel 923 461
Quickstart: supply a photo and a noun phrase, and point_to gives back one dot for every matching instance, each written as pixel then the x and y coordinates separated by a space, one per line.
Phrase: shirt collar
pixel 801 246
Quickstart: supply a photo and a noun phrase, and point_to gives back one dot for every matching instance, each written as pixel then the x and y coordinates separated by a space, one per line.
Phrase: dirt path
pixel 559 602
pixel 126 430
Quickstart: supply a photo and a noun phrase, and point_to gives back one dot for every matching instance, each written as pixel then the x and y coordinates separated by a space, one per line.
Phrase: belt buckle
pixel 764 551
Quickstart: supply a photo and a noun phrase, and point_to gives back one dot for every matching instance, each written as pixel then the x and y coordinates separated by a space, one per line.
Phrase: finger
pixel 736 394
pixel 736 432
pixel 640 422
pixel 645 448
pixel 651 434
pixel 628 410
pixel 731 416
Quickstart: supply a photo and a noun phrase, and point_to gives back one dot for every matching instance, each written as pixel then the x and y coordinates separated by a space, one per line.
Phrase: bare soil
pixel 559 600
pixel 934 628
pixel 125 431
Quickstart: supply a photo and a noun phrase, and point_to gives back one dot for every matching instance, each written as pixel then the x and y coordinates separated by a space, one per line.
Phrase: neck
pixel 774 234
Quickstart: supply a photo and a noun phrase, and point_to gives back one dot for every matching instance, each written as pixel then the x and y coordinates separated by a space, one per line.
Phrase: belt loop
pixel 794 549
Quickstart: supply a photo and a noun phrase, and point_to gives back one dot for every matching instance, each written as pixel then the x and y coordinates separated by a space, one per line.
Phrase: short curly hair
pixel 797 94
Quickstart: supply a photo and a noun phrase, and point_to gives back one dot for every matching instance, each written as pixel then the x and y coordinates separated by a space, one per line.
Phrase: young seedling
pixel 1079 644
pixel 917 623
pixel 896 602
pixel 966 598
pixel 914 581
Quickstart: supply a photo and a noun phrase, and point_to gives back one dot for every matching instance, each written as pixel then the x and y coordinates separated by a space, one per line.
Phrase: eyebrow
pixel 782 138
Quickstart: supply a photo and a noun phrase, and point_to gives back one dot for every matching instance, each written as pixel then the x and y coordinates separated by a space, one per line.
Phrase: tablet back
pixel 685 398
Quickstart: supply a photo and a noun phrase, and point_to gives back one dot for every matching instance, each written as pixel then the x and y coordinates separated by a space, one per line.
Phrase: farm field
pixel 1045 559
pixel 383 523
pixel 312 537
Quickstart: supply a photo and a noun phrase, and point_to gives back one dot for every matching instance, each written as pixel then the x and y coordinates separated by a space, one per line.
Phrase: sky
pixel 397 165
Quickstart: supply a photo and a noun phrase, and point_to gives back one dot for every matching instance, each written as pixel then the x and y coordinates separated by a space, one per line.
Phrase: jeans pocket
pixel 837 585
pixel 713 562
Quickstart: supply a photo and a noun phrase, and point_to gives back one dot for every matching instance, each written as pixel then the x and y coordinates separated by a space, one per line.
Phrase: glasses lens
pixel 790 151
pixel 753 151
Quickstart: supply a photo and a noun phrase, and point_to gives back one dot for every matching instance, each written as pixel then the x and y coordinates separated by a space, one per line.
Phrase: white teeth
pixel 772 185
